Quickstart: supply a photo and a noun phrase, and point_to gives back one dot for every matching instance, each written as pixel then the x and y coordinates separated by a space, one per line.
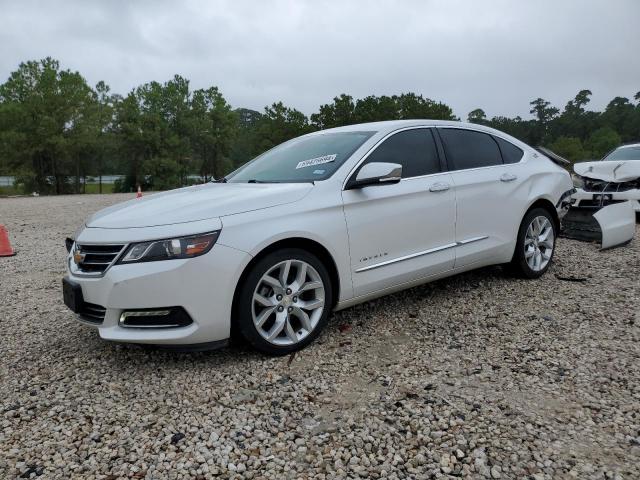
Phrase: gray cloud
pixel 497 55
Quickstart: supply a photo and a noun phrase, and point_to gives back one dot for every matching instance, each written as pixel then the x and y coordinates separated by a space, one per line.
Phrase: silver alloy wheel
pixel 538 243
pixel 288 302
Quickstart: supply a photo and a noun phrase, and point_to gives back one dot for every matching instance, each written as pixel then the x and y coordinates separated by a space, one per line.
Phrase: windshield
pixel 303 159
pixel 624 153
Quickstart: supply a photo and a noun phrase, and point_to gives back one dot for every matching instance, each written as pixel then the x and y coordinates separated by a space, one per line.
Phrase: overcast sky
pixel 497 55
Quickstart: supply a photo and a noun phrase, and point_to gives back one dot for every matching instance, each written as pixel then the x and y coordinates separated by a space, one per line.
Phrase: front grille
pixel 92 313
pixel 96 258
pixel 598 203
pixel 591 185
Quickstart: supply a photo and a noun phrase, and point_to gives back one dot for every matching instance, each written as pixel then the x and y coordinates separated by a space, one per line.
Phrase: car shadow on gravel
pixel 340 326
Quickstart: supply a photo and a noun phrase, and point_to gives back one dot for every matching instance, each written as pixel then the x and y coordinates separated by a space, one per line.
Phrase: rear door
pixel 405 231
pixel 485 209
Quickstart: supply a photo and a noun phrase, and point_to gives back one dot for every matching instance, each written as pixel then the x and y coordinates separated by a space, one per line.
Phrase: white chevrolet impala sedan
pixel 314 225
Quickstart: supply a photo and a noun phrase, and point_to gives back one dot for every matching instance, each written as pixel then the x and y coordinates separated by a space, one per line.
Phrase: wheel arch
pixel 547 205
pixel 311 246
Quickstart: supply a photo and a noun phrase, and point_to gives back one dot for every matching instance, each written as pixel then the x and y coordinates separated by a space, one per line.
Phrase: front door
pixel 405 231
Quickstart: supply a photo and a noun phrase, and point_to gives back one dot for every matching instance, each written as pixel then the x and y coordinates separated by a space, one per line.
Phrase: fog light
pixel 171 317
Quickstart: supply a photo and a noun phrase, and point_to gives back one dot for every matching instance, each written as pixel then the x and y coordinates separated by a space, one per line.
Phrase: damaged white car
pixel 614 179
pixel 607 195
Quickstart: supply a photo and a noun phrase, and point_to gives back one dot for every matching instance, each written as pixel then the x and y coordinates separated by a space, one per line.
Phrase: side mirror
pixel 376 173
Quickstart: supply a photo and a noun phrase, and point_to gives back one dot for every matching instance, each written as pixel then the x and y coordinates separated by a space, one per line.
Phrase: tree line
pixel 56 130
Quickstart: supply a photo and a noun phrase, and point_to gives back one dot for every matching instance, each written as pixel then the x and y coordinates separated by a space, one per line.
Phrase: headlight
pixel 578 181
pixel 169 249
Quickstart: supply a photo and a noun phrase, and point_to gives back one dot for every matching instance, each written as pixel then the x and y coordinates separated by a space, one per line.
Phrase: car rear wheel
pixel 285 301
pixel 535 245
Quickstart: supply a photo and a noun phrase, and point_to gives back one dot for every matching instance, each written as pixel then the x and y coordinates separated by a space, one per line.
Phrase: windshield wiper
pixel 253 180
pixel 220 180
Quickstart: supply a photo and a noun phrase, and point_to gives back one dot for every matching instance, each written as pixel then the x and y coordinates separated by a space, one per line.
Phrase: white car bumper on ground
pixel 593 199
pixel 203 286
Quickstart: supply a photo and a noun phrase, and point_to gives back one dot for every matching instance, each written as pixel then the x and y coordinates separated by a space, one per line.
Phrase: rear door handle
pixel 439 187
pixel 508 177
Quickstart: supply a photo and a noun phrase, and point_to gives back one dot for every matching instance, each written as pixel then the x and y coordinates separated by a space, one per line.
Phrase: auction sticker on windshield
pixel 317 161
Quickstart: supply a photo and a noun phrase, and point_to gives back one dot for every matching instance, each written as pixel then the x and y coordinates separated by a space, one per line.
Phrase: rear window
pixel 469 149
pixel 510 153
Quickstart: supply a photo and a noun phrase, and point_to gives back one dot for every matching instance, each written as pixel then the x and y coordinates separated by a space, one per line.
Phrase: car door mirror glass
pixel 377 173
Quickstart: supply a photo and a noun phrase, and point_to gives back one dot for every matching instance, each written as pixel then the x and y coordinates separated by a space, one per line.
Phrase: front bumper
pixel 588 199
pixel 203 286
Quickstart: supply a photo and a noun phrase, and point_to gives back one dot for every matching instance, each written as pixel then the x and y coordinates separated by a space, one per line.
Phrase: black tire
pixel 519 265
pixel 244 303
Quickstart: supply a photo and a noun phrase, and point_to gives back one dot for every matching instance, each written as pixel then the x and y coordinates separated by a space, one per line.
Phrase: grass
pixel 90 188
pixel 95 188
pixel 9 190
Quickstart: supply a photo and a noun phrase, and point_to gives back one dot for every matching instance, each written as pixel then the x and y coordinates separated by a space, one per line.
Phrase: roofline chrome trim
pixel 420 254
pixel 427 125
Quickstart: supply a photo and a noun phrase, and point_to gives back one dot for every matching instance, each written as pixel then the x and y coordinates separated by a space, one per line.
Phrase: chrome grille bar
pixel 94 259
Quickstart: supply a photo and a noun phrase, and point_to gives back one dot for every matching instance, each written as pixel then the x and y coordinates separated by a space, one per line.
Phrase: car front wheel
pixel 284 302
pixel 535 245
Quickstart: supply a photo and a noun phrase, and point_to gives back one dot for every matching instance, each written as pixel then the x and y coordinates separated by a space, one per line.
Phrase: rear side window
pixel 510 153
pixel 414 149
pixel 469 149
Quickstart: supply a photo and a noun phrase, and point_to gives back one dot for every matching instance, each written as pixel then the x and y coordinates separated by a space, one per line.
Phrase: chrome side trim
pixel 420 254
pixel 471 240
pixel 406 257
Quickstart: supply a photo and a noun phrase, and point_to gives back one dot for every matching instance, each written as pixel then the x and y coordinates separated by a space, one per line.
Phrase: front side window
pixel 624 153
pixel 469 149
pixel 414 149
pixel 303 159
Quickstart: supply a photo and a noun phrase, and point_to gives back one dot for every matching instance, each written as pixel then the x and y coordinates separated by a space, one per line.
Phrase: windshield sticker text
pixel 317 161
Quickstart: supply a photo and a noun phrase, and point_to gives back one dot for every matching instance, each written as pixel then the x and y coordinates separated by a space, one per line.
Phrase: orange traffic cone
pixel 5 245
pixel 139 194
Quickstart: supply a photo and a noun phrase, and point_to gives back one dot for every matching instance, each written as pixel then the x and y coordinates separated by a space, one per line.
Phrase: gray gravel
pixel 479 376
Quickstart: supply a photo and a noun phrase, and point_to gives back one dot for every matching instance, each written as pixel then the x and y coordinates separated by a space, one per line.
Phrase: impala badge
pixel 373 257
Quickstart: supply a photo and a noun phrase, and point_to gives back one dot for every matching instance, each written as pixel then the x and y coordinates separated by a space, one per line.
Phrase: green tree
pixel 133 141
pixel 340 112
pixel 43 110
pixel 213 129
pixel 279 124
pixel 602 141
pixel 543 110
pixel 477 116
pixel 104 117
pixel 516 127
pixel 622 116
pixel 570 148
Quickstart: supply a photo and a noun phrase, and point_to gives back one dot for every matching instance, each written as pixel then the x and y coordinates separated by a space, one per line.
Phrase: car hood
pixel 609 171
pixel 200 202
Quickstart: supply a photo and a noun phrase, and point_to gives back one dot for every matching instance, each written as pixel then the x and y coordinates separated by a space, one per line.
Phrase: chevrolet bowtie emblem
pixel 78 257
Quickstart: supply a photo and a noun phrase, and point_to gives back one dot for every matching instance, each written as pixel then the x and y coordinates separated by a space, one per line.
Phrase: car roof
pixel 389 126
pixel 629 145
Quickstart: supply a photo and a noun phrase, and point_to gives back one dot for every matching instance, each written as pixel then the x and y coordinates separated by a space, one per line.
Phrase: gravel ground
pixel 479 376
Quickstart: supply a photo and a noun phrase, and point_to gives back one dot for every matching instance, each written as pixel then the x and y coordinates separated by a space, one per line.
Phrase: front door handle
pixel 439 187
pixel 508 177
